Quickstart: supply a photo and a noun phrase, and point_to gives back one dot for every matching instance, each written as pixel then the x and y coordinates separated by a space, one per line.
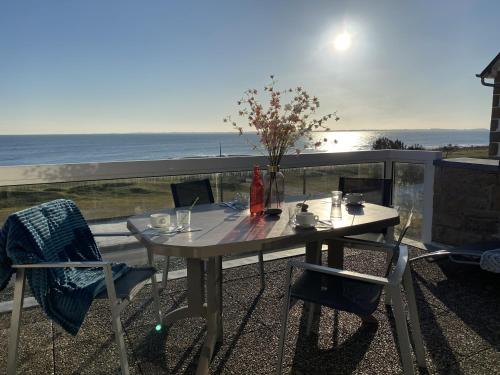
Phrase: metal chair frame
pixel 117 305
pixel 399 276
pixel 464 254
pixel 452 254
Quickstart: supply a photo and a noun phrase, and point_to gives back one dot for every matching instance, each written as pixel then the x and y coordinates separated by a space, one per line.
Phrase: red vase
pixel 256 193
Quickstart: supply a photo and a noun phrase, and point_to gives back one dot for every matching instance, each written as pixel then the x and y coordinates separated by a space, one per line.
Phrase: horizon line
pixel 233 132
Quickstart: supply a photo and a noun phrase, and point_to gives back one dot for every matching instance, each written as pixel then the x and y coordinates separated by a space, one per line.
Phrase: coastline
pixel 232 132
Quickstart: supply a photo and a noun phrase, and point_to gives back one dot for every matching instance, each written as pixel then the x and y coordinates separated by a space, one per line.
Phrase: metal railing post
pixel 219 180
pixel 304 182
pixel 389 174
pixel 428 201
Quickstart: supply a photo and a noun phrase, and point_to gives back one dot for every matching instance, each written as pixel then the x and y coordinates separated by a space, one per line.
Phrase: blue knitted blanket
pixel 55 232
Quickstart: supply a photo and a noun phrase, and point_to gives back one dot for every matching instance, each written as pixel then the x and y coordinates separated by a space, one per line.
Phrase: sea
pixel 86 148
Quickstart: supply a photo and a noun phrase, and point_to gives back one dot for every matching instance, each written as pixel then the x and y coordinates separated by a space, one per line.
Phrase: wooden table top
pixel 228 232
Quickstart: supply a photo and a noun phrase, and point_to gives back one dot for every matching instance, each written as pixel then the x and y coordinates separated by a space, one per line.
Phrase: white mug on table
pixel 160 220
pixel 306 219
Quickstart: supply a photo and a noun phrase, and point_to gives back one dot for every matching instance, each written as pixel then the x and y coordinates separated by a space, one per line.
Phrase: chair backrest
pixel 54 231
pixel 396 257
pixel 375 190
pixel 184 193
pixel 405 228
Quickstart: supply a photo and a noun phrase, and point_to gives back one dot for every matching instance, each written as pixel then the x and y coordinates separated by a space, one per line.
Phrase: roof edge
pixel 486 73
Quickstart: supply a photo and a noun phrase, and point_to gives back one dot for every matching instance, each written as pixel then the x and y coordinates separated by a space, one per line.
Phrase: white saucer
pixel 163 228
pixel 298 226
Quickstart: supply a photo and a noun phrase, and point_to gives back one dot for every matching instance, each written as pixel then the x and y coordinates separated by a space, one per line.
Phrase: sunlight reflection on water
pixel 344 141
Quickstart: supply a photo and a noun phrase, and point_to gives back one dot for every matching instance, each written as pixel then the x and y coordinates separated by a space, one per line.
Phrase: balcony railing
pixel 114 189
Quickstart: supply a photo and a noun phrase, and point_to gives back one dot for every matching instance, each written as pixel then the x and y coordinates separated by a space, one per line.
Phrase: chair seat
pixel 128 285
pixel 357 297
pixel 369 237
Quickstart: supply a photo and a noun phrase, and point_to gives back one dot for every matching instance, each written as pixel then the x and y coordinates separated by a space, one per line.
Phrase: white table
pixel 229 232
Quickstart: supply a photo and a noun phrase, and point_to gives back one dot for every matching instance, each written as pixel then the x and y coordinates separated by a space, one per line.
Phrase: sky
pixel 93 66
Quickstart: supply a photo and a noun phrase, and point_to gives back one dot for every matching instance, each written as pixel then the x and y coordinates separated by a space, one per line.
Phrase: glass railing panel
pixel 100 200
pixel 233 183
pixel 322 180
pixel 294 181
pixel 408 193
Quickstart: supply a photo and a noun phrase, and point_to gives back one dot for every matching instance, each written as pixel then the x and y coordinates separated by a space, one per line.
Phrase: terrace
pixel 458 315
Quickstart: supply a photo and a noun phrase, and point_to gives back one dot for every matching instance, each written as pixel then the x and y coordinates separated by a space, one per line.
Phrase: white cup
pixel 354 198
pixel 306 219
pixel 160 220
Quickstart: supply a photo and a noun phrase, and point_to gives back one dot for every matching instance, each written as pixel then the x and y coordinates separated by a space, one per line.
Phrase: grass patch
pixel 480 152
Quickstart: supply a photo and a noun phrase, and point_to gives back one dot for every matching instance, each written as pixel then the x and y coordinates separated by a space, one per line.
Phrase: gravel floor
pixel 459 312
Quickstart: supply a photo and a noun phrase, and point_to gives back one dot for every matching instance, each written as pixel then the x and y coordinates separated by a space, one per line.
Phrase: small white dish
pixel 311 226
pixel 163 228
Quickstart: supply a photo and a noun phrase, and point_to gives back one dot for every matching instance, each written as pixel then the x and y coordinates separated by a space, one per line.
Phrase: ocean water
pixel 57 149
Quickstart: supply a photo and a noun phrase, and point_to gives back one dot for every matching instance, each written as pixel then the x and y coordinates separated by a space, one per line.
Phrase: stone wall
pixel 466 201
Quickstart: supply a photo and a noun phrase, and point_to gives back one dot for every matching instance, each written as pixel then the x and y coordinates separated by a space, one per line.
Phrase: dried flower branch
pixel 279 127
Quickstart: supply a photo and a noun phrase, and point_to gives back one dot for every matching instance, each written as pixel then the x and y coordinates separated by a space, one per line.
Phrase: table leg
pixel 313 255
pixel 195 285
pixel 335 260
pixel 214 315
pixel 195 294
pixel 154 286
pixel 219 290
pixel 313 252
pixel 335 254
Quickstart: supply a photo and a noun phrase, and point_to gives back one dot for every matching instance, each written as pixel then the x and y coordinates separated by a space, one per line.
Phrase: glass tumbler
pixel 336 198
pixel 183 219
pixel 336 210
pixel 293 209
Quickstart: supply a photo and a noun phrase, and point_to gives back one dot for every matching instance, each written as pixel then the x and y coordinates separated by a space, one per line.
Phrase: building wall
pixel 494 150
pixel 466 201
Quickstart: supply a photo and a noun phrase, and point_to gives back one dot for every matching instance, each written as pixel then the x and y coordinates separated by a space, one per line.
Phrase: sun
pixel 342 41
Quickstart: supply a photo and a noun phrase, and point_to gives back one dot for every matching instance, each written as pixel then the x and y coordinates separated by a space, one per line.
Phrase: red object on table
pixel 256 193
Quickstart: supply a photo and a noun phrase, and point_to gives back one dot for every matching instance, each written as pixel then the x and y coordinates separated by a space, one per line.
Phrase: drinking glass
pixel 245 198
pixel 336 198
pixel 336 209
pixel 241 200
pixel 293 209
pixel 335 213
pixel 183 219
